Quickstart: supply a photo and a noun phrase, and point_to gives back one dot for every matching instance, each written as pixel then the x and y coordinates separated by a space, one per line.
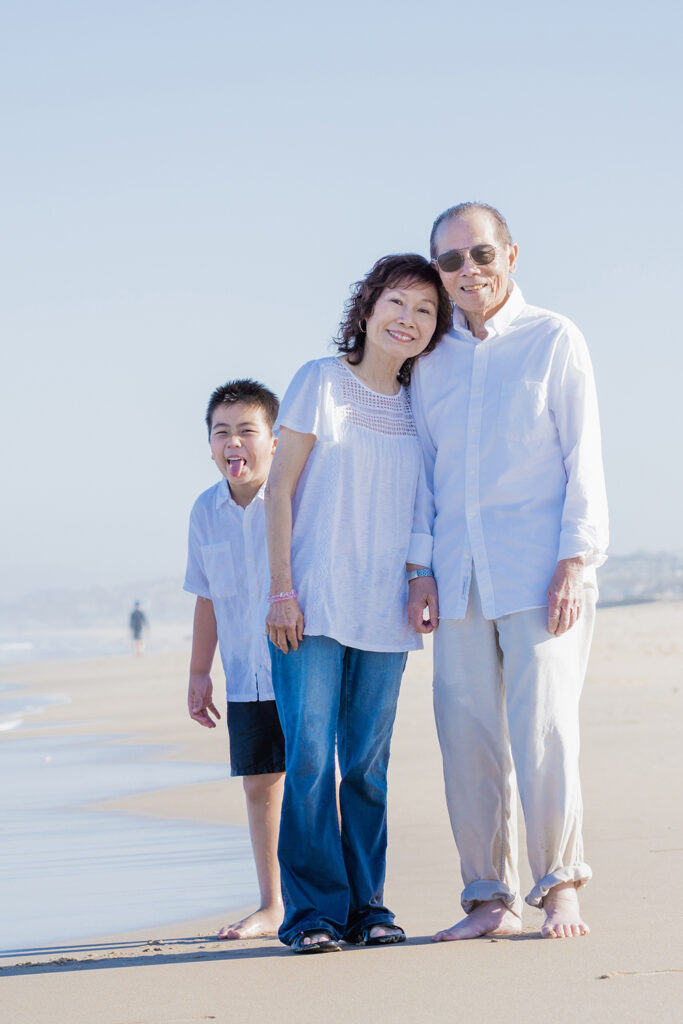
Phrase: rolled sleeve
pixel 420 549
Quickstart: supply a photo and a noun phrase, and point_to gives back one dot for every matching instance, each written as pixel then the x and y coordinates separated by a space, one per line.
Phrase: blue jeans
pixel 334 880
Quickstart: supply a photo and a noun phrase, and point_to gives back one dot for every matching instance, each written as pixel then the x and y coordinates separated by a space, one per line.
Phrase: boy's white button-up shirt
pixel 511 440
pixel 227 563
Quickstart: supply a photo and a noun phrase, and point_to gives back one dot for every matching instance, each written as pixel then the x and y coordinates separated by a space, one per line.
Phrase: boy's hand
pixel 199 700
pixel 285 624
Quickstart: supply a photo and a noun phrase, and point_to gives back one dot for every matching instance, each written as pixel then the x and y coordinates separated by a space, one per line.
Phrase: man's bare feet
pixel 261 923
pixel 562 914
pixel 493 917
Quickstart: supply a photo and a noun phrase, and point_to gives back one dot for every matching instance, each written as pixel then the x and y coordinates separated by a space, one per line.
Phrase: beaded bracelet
pixel 285 596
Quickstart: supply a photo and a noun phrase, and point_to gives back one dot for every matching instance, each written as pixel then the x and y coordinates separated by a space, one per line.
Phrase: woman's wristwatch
pixel 415 574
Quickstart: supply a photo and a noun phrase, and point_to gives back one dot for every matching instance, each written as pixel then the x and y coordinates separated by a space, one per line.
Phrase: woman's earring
pixel 362 325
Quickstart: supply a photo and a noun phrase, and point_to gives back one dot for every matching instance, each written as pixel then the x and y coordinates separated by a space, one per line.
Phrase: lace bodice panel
pixel 384 414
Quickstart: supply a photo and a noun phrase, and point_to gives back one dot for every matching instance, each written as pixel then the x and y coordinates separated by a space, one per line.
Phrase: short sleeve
pixel 196 581
pixel 301 405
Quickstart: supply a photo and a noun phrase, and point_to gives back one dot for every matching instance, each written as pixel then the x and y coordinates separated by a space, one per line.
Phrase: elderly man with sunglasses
pixel 513 528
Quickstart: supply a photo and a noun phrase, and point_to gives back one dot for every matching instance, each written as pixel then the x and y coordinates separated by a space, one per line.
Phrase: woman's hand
pixel 285 624
pixel 284 621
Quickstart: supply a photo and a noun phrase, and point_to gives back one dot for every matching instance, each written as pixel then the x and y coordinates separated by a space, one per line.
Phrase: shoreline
pixel 630 969
pixel 112 803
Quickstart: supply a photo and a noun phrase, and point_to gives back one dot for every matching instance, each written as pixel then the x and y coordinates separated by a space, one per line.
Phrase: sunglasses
pixel 454 259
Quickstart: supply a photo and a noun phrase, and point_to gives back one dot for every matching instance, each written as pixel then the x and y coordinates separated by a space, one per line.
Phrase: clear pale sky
pixel 190 188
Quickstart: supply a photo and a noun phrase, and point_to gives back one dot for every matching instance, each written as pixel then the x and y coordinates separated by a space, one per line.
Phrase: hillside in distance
pixel 624 579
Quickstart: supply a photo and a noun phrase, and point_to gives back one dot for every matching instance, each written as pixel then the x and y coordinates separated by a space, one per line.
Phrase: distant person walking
pixel 138 623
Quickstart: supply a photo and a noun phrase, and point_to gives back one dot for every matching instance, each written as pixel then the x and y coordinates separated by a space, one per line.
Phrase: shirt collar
pixel 499 323
pixel 223 494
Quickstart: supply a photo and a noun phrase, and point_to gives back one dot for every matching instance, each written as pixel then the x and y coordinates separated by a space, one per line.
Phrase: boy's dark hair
pixel 249 391
pixel 390 272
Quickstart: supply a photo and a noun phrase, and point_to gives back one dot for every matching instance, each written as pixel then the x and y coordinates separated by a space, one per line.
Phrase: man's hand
pixel 285 624
pixel 200 702
pixel 565 595
pixel 423 594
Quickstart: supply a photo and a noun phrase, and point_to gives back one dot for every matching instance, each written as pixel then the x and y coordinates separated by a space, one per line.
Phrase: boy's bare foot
pixel 493 917
pixel 256 926
pixel 562 914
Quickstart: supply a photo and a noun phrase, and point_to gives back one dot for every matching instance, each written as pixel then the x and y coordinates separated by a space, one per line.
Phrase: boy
pixel 226 569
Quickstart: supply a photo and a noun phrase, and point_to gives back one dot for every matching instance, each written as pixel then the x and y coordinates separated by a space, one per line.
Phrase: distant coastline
pixel 641 578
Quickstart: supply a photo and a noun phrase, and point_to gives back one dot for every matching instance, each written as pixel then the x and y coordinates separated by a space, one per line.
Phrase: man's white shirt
pixel 227 563
pixel 510 434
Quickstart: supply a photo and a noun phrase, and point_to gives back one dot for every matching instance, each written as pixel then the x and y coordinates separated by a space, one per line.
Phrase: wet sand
pixel 630 969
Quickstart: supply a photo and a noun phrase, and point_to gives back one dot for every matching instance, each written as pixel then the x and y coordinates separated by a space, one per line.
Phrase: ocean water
pixel 15 707
pixel 44 644
pixel 48 645
pixel 70 872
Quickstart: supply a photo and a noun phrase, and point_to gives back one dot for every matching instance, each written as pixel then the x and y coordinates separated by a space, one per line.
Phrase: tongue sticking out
pixel 235 467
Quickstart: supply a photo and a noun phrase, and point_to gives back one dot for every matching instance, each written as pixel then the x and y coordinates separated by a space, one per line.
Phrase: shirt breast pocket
pixel 219 567
pixel 523 413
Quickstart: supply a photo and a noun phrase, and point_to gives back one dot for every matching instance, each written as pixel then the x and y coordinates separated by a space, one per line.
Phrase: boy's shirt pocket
pixel 219 567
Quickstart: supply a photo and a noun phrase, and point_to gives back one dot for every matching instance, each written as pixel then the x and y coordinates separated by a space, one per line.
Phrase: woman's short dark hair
pixel 390 272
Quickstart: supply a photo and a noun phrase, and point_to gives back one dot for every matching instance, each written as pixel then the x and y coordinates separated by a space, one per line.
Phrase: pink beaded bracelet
pixel 285 596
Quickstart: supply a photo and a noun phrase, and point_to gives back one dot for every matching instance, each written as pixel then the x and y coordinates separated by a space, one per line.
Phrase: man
pixel 137 624
pixel 514 527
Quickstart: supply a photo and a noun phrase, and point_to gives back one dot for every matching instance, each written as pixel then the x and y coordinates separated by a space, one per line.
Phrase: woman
pixel 339 508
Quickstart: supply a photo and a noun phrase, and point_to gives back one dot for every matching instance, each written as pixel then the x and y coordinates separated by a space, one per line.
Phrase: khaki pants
pixel 506 701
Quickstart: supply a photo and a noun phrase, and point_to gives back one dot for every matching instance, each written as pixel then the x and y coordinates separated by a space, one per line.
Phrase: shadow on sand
pixel 98 956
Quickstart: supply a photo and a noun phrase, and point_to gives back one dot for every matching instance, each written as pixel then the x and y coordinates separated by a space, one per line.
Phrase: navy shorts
pixel 257 745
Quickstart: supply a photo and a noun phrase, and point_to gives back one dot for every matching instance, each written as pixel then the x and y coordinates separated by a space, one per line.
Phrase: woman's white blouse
pixel 353 507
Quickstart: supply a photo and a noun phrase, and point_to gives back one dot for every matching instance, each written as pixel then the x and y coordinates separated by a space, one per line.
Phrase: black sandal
pixel 326 944
pixel 366 939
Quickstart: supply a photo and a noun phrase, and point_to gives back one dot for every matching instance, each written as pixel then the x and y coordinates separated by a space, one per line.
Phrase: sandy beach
pixel 630 968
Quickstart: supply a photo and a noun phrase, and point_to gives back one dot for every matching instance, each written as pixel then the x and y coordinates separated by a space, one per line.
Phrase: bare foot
pixel 562 914
pixel 255 926
pixel 493 917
